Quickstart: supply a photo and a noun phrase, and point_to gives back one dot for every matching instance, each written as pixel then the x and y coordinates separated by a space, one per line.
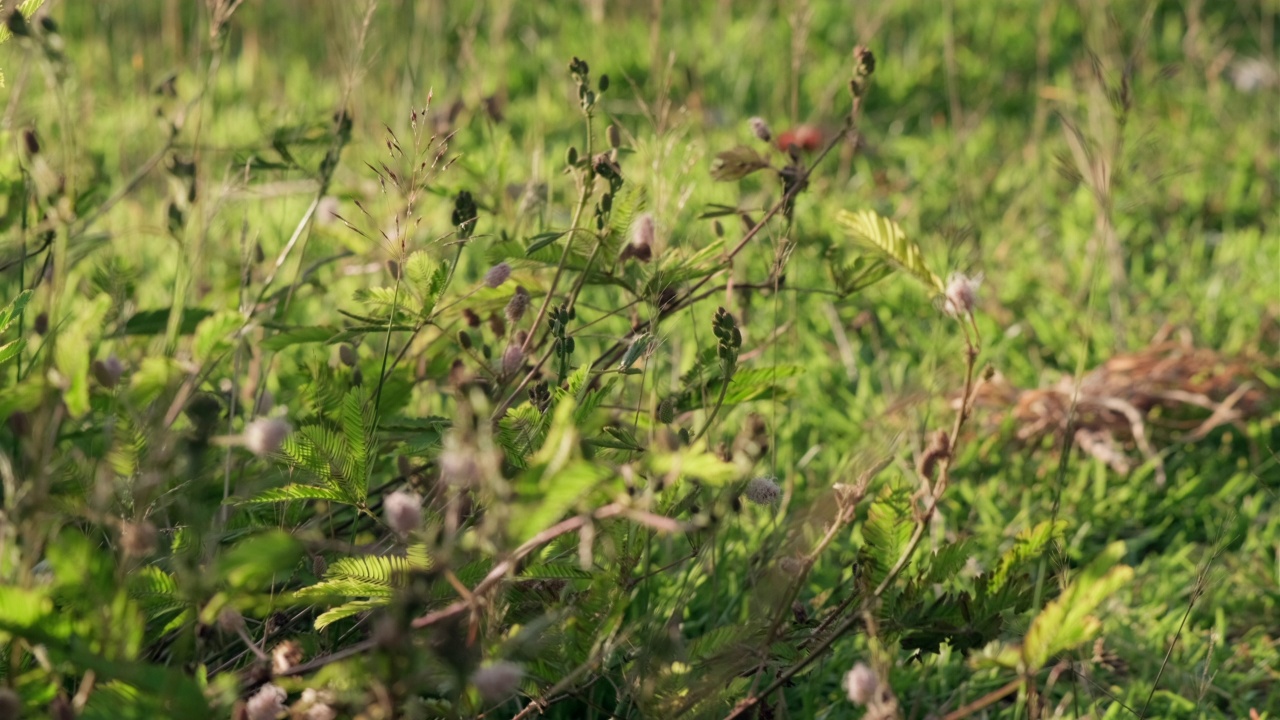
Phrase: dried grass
pixel 1170 389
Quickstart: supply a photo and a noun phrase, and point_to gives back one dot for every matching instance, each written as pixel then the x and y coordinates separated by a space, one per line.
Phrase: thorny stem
pixel 502 568
pixel 386 346
pixel 588 182
pixel 689 298
pixel 715 410
pixel 972 346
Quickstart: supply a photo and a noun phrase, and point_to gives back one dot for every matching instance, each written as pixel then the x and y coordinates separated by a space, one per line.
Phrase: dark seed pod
pixel 31 141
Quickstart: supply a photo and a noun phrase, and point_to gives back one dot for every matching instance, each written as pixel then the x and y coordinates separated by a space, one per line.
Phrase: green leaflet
pixel 1067 622
pixel 885 238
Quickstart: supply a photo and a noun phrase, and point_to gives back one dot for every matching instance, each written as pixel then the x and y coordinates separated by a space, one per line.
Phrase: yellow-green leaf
pixel 885 238
pixel 1068 622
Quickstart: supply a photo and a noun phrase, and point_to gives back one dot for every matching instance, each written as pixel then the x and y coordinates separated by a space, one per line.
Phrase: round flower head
pixel 512 358
pixel 760 129
pixel 498 681
pixel 763 490
pixel 497 275
pixel 861 683
pixel 107 372
pixel 517 305
pixel 640 246
pixel 265 435
pixel 267 703
pixel 961 295
pixel 403 511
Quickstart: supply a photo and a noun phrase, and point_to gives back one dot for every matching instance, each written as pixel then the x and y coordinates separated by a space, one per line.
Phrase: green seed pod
pixel 571 157
pixel 604 83
pixel 667 410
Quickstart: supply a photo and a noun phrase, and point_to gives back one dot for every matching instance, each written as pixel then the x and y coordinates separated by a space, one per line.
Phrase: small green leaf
pixel 257 562
pixel 355 607
pixel 214 335
pixel 290 493
pixel 298 336
pixel 1067 622
pixel 14 309
pixel 541 240
pixel 155 322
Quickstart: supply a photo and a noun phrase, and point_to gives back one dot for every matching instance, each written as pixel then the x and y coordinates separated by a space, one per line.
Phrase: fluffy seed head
pixel 497 275
pixel 321 712
pixel 861 683
pixel 961 295
pixel 497 681
pixel 512 358
pixel 642 234
pixel 267 703
pixel 403 511
pixel 517 305
pixel 285 655
pixel 763 490
pixel 138 539
pixel 265 435
pixel 760 129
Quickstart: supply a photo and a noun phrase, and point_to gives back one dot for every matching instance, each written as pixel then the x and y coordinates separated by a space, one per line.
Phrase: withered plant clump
pixel 1168 391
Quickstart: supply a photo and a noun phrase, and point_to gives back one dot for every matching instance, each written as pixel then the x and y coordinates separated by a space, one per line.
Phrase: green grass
pixel 966 143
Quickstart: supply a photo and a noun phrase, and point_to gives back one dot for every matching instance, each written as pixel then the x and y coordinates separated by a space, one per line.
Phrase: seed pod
pixel 667 410
pixel 347 355
pixel 615 137
pixel 31 141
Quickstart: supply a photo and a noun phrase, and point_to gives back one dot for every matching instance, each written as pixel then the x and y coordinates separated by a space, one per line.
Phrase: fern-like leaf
pixel 886 239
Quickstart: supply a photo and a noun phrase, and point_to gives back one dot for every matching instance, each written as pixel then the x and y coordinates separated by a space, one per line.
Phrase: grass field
pixel 640 359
